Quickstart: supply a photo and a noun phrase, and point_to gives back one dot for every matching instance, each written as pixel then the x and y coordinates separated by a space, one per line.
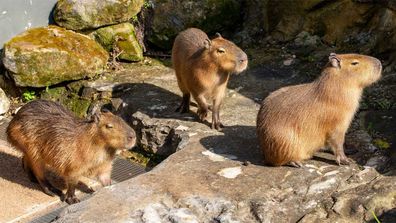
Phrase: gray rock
pixel 89 14
pixel 170 17
pixel 4 102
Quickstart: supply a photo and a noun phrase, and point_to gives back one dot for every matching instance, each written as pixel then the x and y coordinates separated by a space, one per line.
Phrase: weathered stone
pixel 171 17
pixel 219 176
pixel 88 14
pixel 4 102
pixel 120 39
pixel 46 56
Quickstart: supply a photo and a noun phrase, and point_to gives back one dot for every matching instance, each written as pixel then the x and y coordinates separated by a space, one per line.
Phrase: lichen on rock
pixel 50 55
pixel 89 14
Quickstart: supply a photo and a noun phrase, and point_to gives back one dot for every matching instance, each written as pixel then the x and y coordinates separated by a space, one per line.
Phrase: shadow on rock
pixel 11 170
pixel 238 143
pixel 151 100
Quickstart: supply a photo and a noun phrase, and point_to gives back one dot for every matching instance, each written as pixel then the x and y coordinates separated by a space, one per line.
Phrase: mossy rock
pixel 79 106
pixel 46 56
pixel 121 36
pixel 89 14
pixel 171 17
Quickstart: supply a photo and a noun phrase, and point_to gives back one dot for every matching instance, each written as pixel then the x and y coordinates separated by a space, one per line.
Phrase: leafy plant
pixel 28 96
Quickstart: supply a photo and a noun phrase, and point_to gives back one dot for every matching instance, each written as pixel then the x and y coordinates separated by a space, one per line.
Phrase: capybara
pixel 52 138
pixel 294 122
pixel 203 67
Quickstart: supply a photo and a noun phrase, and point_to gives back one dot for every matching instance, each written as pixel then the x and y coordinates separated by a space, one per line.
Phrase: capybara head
pixel 114 131
pixel 226 55
pixel 354 68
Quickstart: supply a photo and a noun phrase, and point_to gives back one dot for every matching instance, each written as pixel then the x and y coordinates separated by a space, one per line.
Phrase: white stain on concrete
pixel 230 173
pixel 321 186
pixel 218 157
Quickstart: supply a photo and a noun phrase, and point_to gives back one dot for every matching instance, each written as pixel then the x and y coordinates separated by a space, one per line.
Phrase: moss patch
pixel 46 56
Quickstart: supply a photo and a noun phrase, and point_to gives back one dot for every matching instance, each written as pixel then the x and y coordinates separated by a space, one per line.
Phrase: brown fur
pixel 203 68
pixel 52 137
pixel 295 122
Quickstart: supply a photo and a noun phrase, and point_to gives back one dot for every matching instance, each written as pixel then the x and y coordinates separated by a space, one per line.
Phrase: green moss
pixel 49 55
pixel 382 144
pixel 143 157
pixel 123 37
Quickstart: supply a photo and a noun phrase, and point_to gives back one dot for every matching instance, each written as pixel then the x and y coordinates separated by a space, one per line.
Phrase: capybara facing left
pixel 52 138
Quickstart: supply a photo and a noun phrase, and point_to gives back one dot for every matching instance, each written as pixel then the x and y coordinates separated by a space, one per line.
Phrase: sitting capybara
pixel 203 67
pixel 295 122
pixel 51 137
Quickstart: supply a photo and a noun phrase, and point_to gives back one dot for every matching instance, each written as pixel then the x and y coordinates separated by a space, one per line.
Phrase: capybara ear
pixel 334 60
pixel 218 35
pixel 207 44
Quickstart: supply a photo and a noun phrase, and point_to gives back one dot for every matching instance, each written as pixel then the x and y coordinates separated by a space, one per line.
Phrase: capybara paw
pixel 217 125
pixel 202 114
pixel 72 199
pixel 296 164
pixel 105 181
pixel 343 160
pixel 47 191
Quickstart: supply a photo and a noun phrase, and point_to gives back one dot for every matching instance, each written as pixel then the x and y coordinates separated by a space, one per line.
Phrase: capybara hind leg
pixel 336 142
pixel 26 167
pixel 185 104
pixel 38 170
pixel 70 197
pixel 202 107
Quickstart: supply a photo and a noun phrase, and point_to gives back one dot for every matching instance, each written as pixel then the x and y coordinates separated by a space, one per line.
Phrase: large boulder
pixel 89 14
pixel 4 102
pixel 121 38
pixel 171 17
pixel 46 56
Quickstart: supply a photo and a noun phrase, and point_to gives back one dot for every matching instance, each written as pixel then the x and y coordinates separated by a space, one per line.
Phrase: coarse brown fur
pixel 52 138
pixel 203 68
pixel 295 122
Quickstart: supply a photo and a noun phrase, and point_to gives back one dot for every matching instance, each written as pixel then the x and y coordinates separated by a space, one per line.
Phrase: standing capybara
pixel 203 67
pixel 52 138
pixel 295 122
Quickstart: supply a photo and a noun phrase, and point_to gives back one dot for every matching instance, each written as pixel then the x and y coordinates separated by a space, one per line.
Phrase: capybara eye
pixel 221 50
pixel 109 126
pixel 355 63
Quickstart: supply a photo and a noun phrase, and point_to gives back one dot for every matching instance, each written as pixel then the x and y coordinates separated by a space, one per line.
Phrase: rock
pixel 170 17
pixel 46 56
pixel 89 14
pixel 4 102
pixel 121 39
pixel 305 39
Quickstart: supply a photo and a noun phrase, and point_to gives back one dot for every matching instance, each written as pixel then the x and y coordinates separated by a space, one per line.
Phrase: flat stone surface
pixel 219 176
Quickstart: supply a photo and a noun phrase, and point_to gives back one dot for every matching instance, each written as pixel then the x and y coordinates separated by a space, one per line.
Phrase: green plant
pixel 384 104
pixel 375 217
pixel 146 4
pixel 28 96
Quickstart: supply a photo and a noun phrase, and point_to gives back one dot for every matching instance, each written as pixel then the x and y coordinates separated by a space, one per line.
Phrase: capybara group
pixel 52 138
pixel 295 122
pixel 203 67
